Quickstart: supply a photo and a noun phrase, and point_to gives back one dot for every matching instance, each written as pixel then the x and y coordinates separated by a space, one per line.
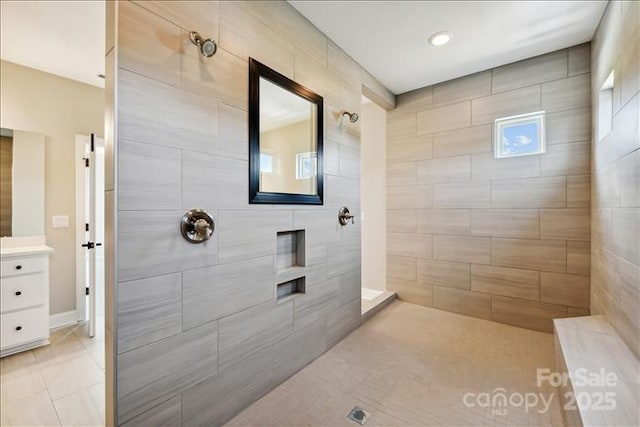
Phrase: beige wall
pixel 615 252
pixel 59 108
pixel 194 333
pixel 374 196
pixel 283 144
pixel 505 239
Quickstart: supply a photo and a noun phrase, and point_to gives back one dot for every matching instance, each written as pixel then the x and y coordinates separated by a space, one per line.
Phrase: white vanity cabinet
pixel 24 298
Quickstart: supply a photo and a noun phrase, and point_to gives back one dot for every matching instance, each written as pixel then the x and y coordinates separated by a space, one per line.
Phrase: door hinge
pixel 86 291
pixel 86 226
pixel 93 147
pixel 86 162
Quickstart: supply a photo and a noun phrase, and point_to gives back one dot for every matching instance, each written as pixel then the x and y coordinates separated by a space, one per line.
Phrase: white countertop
pixel 25 250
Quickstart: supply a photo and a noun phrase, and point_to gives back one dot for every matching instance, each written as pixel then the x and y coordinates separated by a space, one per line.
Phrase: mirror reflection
pixel 21 183
pixel 288 154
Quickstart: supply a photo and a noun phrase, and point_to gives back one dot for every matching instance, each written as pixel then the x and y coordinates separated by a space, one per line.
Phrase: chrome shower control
pixel 344 216
pixel 197 226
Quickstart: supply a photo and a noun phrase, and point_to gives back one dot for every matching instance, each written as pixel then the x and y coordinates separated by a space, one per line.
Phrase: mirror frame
pixel 256 71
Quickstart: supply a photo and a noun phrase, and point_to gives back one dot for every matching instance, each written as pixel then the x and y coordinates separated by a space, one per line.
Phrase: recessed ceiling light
pixel 440 38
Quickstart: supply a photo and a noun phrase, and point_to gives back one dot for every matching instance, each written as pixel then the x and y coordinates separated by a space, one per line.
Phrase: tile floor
pixel 59 384
pixel 409 365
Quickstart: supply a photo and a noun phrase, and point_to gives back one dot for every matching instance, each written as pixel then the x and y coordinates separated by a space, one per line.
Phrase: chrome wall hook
pixel 197 226
pixel 207 47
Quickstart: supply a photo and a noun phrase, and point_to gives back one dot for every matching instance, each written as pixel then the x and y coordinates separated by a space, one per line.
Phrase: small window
pixel 521 135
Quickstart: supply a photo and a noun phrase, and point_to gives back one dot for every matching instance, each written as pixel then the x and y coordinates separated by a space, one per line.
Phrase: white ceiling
pixel 389 38
pixel 65 38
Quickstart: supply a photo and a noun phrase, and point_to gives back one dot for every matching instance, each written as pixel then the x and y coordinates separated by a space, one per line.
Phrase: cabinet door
pixel 23 326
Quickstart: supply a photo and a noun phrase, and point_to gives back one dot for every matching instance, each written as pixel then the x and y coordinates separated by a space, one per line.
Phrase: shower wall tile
pixel 187 14
pixel 470 303
pixel 152 112
pixel 440 119
pixel 526 314
pixel 149 177
pixel 410 149
pixel 148 310
pixel 316 303
pixel 213 182
pixel 520 101
pixel 247 332
pixel 165 414
pixel 246 36
pixel 185 120
pixel 569 224
pixel 443 221
pixel 565 94
pixel 411 245
pixel 509 282
pixel 568 126
pixel 222 77
pixel 148 44
pixel 462 249
pixel 518 223
pixel 496 225
pixel 541 255
pixel 552 66
pixel 470 140
pixel 218 398
pixel 150 375
pixel 444 170
pixel 566 289
pixel 486 166
pixel 548 192
pixel 462 89
pixel 444 273
pixel 211 293
pixel 462 195
pixel 150 244
pixel 410 197
pixel 246 234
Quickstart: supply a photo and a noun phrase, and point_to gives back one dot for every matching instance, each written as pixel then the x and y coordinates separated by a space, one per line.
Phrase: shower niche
pixel 290 263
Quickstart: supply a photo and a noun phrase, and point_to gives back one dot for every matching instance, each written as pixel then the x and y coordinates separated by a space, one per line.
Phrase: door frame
pixel 79 225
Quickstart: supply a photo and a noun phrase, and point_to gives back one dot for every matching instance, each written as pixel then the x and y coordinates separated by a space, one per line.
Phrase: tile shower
pixel 197 332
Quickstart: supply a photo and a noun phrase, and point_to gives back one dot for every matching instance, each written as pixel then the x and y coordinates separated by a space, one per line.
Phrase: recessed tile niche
pixel 290 263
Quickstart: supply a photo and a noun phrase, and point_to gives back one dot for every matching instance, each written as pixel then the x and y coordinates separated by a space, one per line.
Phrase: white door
pixel 90 193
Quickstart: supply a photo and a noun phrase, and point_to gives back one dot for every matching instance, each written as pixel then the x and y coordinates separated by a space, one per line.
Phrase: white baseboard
pixel 60 320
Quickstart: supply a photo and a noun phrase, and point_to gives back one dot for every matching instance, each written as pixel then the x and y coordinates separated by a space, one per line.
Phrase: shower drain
pixel 358 415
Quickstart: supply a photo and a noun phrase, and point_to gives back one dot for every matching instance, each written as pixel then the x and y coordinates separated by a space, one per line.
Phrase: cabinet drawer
pixel 20 265
pixel 23 326
pixel 26 290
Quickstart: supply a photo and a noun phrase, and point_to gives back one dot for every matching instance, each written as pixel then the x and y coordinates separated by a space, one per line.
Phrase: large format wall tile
pixel 548 192
pixel 148 310
pixel 474 304
pixel 150 244
pixel 566 289
pixel 247 332
pixel 497 224
pixel 552 66
pixel 542 255
pixel 510 282
pixel 152 374
pixel 462 249
pixel 316 303
pixel 166 414
pixel 215 292
pixel 520 223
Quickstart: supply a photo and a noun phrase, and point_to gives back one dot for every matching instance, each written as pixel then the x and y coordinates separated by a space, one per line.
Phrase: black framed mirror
pixel 285 139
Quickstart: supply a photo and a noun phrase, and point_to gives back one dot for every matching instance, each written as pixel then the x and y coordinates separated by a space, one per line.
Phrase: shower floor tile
pixel 412 366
